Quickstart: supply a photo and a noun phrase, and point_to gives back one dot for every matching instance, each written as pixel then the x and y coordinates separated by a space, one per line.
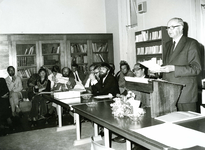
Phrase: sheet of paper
pixel 173 135
pixel 136 79
pixel 151 65
pixel 179 116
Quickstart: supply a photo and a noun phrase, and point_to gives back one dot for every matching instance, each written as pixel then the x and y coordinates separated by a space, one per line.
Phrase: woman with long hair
pixel 39 108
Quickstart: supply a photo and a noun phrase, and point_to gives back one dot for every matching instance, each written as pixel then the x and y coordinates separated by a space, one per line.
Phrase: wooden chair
pixel 97 146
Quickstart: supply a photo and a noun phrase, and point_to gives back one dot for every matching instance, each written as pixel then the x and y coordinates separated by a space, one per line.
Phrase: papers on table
pixel 103 96
pixel 173 135
pixel 63 80
pixel 136 79
pixel 179 116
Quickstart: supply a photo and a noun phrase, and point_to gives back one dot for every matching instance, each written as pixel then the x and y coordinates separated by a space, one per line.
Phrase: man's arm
pixel 18 85
pixel 194 64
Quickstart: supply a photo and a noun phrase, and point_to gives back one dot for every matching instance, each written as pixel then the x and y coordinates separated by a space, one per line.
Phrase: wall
pixel 52 16
pixel 158 13
pixel 49 16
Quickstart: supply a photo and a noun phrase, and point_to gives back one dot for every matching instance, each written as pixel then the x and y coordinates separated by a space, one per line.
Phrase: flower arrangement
pixel 123 106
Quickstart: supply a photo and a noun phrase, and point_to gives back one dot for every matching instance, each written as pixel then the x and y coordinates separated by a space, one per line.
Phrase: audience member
pixel 66 72
pixel 140 71
pixel 14 85
pixel 31 83
pixel 39 108
pixel 107 83
pixel 87 80
pixel 54 76
pixel 124 71
pixel 5 111
pixel 78 74
pixel 112 68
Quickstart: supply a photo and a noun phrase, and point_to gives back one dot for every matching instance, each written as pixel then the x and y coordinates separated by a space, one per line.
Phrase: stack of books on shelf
pixel 99 48
pixel 157 49
pixel 79 59
pixel 98 58
pixel 25 61
pixel 26 73
pixel 30 51
pixel 55 50
pixel 78 48
pixel 147 36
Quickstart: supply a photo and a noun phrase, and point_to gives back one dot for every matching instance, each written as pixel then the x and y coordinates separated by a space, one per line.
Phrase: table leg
pixel 95 129
pixel 128 145
pixel 106 137
pixel 77 126
pixel 59 116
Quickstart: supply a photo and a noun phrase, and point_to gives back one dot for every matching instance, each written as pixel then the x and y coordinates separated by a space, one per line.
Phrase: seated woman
pixel 39 108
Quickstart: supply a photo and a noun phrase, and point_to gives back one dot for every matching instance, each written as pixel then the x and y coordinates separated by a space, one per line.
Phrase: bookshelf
pixel 79 53
pixel 50 53
pixel 100 51
pixel 149 44
pixel 28 52
pixel 26 59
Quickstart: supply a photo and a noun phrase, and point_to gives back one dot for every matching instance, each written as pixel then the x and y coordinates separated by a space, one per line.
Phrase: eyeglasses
pixel 172 27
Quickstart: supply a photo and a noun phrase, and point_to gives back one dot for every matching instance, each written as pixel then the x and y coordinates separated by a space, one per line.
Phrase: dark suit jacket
pixel 187 64
pixel 110 85
pixel 80 74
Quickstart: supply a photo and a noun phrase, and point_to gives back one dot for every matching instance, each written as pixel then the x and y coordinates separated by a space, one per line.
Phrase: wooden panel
pixel 164 97
pixel 142 87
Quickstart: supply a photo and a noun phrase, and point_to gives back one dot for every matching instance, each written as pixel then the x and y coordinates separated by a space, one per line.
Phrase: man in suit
pixel 78 74
pixel 181 64
pixel 14 85
pixel 107 83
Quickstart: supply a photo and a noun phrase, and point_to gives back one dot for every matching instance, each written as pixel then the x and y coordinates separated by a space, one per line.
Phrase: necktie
pixel 76 77
pixel 173 45
pixel 13 78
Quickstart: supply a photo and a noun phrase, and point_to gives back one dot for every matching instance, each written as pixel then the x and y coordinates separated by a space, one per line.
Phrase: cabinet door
pixel 25 58
pixel 100 51
pixel 51 53
pixel 79 53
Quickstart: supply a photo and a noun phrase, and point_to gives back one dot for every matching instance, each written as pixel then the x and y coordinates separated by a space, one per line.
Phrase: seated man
pixel 54 76
pixel 107 83
pixel 140 71
pixel 14 85
pixel 66 72
pixel 87 80
pixel 124 71
pixel 78 75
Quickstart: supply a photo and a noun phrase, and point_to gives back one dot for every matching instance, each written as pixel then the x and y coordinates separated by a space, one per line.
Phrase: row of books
pixel 47 49
pixel 78 48
pixel 157 49
pixel 80 59
pixel 148 36
pixel 30 51
pixel 25 61
pixel 98 58
pixel 99 48
pixel 26 73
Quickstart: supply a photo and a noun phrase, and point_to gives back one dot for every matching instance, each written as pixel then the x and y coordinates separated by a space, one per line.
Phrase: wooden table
pixel 102 115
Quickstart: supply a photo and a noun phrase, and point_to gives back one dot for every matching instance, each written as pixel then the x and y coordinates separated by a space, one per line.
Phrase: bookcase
pixel 26 58
pixel 28 52
pixel 149 44
pixel 50 53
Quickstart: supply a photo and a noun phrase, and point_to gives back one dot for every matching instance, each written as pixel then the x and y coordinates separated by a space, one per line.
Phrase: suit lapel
pixel 178 49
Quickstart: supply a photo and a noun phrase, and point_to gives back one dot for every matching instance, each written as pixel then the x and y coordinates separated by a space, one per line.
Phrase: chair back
pixel 97 146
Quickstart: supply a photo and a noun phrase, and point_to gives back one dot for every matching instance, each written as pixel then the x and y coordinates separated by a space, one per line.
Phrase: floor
pixel 20 123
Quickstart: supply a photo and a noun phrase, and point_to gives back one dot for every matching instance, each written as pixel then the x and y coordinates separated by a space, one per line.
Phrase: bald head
pixel 65 72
